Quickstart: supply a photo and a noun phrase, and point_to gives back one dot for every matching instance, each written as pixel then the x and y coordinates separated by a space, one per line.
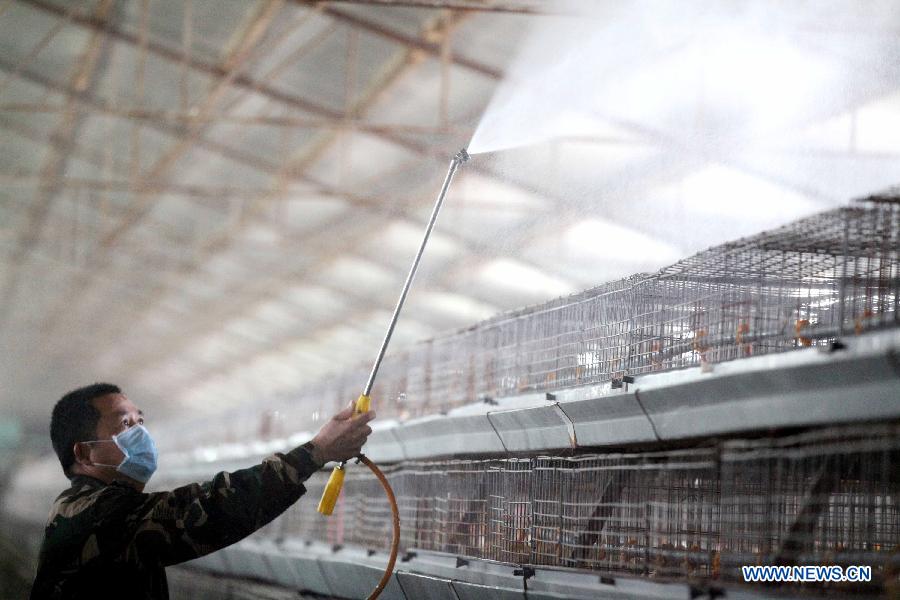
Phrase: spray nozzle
pixel 462 156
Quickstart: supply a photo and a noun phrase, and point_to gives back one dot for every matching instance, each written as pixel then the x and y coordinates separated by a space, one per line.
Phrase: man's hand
pixel 342 437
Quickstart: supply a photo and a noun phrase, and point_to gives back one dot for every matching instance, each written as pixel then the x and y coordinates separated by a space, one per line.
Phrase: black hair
pixel 75 420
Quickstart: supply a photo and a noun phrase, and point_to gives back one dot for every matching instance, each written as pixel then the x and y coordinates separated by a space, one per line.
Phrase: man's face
pixel 117 413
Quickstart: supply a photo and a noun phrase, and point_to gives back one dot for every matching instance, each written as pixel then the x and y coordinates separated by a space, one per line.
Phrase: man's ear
pixel 82 453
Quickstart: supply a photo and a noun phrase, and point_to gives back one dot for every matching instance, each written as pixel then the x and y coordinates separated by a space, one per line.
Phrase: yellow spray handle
pixel 332 491
pixel 362 405
pixel 336 482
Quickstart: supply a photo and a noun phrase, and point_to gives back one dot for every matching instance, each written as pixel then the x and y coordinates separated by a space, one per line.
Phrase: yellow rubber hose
pixel 395 517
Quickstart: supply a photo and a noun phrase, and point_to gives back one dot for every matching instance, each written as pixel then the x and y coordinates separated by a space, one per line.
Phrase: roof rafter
pixel 174 118
pixel 522 7
pixel 420 44
pixel 248 39
pixel 81 78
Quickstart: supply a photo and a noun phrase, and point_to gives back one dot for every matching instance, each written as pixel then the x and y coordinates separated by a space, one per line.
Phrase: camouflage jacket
pixel 111 541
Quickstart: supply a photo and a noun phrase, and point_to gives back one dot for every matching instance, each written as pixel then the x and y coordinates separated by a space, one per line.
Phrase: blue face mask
pixel 140 453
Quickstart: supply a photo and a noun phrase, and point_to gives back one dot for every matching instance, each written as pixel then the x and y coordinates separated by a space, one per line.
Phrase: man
pixel 106 538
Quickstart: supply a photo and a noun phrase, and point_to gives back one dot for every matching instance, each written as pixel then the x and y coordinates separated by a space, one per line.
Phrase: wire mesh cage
pixel 812 498
pixel 829 496
pixel 832 274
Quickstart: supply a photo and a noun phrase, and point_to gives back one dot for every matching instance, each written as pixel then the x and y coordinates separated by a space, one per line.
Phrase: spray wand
pixel 336 481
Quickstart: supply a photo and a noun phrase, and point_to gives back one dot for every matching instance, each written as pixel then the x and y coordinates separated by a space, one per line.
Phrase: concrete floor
pixel 193 584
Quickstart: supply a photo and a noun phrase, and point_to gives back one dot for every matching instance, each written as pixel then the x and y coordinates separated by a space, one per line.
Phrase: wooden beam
pixel 179 119
pixel 517 7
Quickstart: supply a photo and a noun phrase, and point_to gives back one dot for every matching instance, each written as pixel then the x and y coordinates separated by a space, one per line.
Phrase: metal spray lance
pixel 336 481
